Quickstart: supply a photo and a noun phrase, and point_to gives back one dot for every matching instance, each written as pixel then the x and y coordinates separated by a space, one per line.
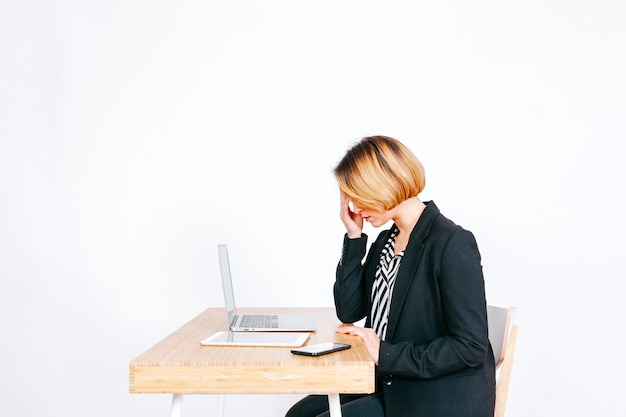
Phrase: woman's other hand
pixel 369 336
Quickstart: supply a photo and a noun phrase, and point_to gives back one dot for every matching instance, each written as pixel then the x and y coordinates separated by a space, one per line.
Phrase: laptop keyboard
pixel 259 321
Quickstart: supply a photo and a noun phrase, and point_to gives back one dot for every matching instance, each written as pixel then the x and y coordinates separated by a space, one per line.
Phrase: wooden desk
pixel 179 365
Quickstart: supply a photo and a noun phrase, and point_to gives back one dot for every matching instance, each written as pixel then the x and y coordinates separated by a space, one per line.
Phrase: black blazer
pixel 436 359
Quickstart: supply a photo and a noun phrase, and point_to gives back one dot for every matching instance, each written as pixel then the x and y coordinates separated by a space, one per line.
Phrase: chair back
pixel 503 339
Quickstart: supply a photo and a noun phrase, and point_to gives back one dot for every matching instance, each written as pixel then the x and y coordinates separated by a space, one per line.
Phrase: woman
pixel 420 290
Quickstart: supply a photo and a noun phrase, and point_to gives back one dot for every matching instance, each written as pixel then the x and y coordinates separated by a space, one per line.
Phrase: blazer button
pixel 387 380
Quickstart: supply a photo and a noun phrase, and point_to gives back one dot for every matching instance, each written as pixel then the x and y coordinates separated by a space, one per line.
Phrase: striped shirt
pixel 384 282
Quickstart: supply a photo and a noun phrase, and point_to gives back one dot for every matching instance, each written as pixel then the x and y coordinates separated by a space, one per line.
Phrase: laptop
pixel 257 322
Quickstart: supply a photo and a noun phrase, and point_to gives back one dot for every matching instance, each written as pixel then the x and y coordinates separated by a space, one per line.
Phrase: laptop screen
pixel 227 284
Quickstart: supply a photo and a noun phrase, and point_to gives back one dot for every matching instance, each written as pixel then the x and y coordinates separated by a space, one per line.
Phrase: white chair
pixel 503 338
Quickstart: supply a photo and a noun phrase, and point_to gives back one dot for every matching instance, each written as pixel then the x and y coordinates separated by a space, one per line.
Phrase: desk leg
pixel 177 405
pixel 222 400
pixel 334 405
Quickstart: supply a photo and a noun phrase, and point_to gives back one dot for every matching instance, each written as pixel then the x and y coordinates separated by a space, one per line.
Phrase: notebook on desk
pixel 286 339
pixel 257 322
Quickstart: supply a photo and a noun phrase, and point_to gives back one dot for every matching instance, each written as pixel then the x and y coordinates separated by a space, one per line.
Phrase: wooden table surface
pixel 178 364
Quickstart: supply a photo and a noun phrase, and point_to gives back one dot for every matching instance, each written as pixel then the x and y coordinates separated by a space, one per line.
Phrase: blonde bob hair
pixel 378 173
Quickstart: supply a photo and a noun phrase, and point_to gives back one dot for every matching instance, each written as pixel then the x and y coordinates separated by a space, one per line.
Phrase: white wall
pixel 137 135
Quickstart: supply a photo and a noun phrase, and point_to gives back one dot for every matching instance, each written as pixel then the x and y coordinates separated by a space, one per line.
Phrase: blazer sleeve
pixel 463 342
pixel 350 290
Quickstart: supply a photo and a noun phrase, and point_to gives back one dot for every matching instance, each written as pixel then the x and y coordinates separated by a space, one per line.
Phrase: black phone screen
pixel 320 349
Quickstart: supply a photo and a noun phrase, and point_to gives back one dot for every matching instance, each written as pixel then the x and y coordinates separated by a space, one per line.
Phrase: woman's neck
pixel 406 215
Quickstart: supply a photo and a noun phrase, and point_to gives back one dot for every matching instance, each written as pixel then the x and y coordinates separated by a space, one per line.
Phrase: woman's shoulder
pixel 444 228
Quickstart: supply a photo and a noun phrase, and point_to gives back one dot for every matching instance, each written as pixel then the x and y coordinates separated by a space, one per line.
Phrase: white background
pixel 137 135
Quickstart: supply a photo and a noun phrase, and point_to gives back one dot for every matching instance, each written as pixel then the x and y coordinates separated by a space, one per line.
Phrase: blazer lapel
pixel 410 260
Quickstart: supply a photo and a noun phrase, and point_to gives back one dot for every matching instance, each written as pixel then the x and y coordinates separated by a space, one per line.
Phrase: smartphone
pixel 320 349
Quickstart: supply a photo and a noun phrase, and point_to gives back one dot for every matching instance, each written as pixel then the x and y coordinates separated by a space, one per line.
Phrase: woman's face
pixel 374 217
